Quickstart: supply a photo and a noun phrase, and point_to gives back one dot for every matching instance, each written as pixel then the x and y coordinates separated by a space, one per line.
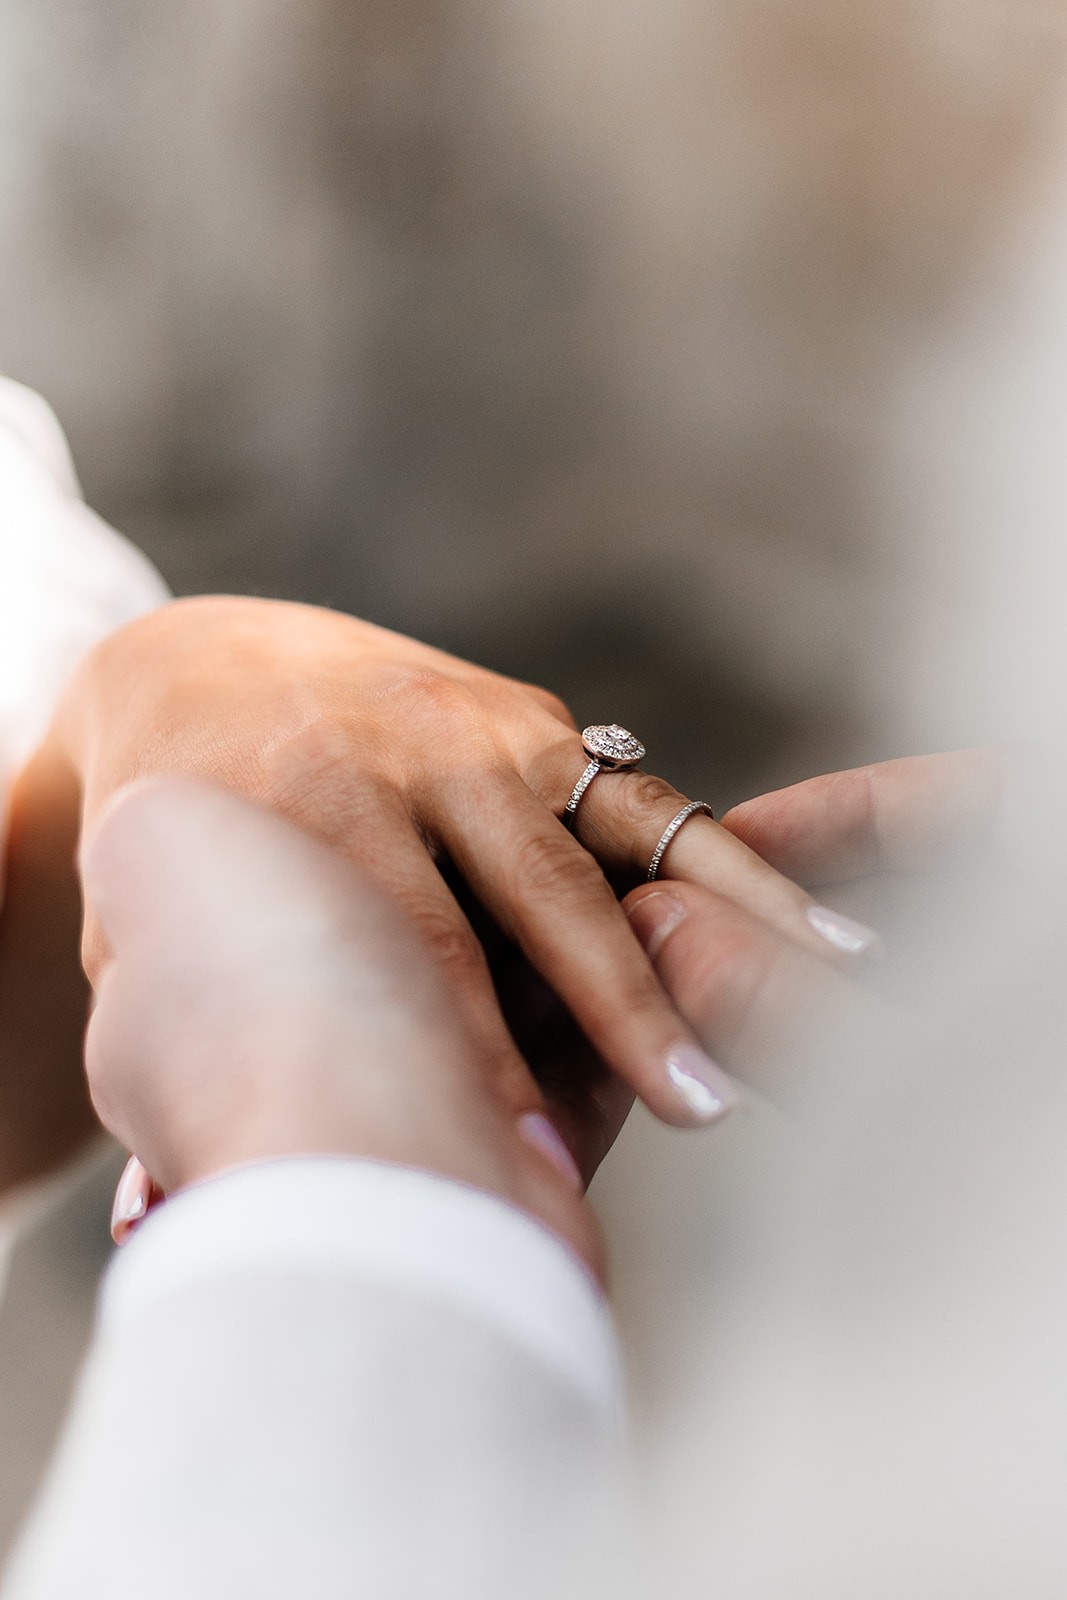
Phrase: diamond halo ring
pixel 610 748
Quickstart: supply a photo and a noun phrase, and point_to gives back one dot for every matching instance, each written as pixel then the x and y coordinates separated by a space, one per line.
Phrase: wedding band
pixel 610 748
pixel 671 829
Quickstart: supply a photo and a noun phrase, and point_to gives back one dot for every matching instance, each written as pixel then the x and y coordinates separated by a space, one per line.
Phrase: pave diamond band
pixel 671 829
pixel 581 786
pixel 610 748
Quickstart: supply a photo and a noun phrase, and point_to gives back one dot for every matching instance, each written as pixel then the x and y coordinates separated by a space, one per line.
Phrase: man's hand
pixel 263 999
pixel 748 994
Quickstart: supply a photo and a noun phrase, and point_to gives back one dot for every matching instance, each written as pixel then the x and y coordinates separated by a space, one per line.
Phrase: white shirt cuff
pixel 391 1224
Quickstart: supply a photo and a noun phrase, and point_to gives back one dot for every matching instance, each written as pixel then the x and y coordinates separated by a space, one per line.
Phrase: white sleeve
pixel 66 578
pixel 333 1378
pixel 378 1223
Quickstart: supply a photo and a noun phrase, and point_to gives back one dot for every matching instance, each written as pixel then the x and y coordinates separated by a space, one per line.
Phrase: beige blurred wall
pixel 571 336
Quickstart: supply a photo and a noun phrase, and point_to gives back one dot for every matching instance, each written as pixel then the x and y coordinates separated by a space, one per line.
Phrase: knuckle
pixel 431 697
pixel 645 803
pixel 449 940
pixel 644 795
pixel 549 868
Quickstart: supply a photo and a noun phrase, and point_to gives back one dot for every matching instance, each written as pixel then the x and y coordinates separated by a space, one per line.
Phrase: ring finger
pixel 623 816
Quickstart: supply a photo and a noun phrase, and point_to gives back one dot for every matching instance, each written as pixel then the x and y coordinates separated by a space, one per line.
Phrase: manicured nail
pixel 851 938
pixel 703 1088
pixel 653 917
pixel 537 1130
pixel 131 1200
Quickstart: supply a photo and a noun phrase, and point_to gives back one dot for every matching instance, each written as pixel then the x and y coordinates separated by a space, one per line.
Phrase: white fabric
pixel 379 1223
pixel 467 1268
pixel 66 578
pixel 306 1433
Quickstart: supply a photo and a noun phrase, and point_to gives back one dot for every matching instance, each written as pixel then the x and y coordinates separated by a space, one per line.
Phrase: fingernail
pixel 700 1084
pixel 536 1129
pixel 653 917
pixel 851 938
pixel 131 1200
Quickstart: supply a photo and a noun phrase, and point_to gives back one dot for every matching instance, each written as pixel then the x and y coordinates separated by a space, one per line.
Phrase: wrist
pixel 476 1146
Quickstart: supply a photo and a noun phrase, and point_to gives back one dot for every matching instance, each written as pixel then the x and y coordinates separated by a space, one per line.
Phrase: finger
pixel 404 870
pixel 536 1130
pixel 135 1196
pixel 753 999
pixel 623 816
pixel 588 1103
pixel 550 897
pixel 891 817
pixel 368 823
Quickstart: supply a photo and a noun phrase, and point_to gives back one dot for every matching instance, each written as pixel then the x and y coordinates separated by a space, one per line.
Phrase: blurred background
pixel 586 341
pixel 700 359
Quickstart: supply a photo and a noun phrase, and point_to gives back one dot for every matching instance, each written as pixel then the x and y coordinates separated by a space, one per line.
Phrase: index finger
pixel 763 1008
pixel 894 816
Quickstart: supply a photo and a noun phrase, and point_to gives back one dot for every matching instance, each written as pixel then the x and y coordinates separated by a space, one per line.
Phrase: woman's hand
pixel 401 759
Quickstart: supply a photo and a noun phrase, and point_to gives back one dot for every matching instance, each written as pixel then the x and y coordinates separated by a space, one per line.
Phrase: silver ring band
pixel 671 829
pixel 592 771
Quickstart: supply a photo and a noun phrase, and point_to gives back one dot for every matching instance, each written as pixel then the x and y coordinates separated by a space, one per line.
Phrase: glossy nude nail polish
pixel 132 1196
pixel 843 933
pixel 700 1085
pixel 536 1130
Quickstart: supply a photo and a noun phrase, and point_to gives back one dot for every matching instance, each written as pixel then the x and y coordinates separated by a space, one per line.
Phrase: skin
pixel 397 757
pixel 260 999
pixel 299 710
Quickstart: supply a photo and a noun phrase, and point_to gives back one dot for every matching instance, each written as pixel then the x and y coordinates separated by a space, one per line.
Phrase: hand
pixel 745 991
pixel 262 999
pixel 398 756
